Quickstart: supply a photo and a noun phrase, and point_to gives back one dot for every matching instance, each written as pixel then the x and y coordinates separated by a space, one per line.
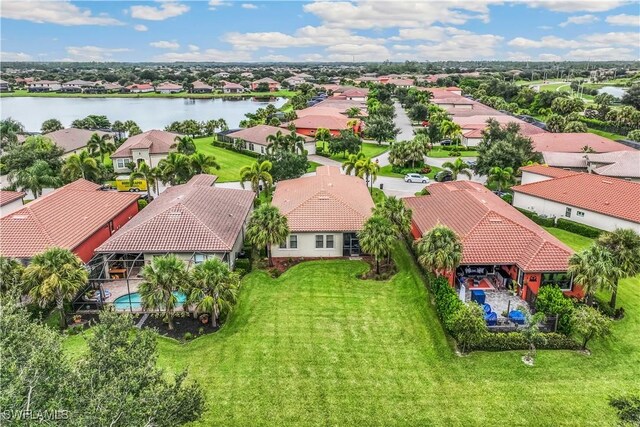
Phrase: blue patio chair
pixel 491 319
pixel 486 308
pixel 517 317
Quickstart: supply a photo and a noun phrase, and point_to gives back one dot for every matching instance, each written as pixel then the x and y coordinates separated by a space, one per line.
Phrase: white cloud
pixel 14 56
pixel 426 33
pixel 585 41
pixel 140 27
pixel 549 57
pixel 544 42
pixel 58 12
pixel 580 20
pixel 518 56
pixel 164 44
pixel 209 55
pixel 455 44
pixel 276 58
pixel 360 52
pixel 166 10
pixel 193 48
pixel 313 57
pixel 402 47
pixel 577 5
pixel 214 4
pixel 623 20
pixel 92 53
pixel 604 54
pixel 249 6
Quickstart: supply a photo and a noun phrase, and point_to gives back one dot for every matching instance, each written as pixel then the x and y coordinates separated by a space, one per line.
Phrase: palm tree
pixel 213 288
pixel 353 112
pixel 275 141
pixel 150 175
pixel 101 145
pixel 163 276
pixel 295 142
pixel 592 269
pixel 368 170
pixel 396 211
pixel 256 173
pixel 175 169
pixel 501 177
pixel 80 166
pixel 203 163
pixel 457 167
pixel 10 274
pixel 440 250
pixel 451 130
pixel 349 165
pixel 55 275
pixel 377 237
pixel 323 135
pixel 266 227
pixel 9 131
pixel 624 246
pixel 35 178
pixel 185 145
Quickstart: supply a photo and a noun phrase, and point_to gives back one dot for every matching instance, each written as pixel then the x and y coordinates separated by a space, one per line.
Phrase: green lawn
pixel 438 153
pixel 574 241
pixel 369 149
pixel 25 93
pixel 230 161
pixel 387 171
pixel 609 135
pixel 318 346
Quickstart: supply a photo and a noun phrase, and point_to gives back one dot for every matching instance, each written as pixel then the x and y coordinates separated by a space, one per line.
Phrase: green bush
pixel 188 336
pixel 627 408
pixel 545 222
pixel 142 204
pixel 447 302
pixel 243 264
pixel 516 341
pixel 228 146
pixel 577 228
pixel 552 302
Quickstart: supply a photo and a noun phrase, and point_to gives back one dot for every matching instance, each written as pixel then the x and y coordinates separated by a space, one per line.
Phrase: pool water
pixel 132 301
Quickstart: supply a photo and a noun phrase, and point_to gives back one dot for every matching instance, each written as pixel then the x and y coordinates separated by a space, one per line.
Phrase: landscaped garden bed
pixel 185 328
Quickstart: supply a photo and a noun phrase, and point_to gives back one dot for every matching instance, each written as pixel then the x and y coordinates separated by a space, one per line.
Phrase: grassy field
pixel 319 346
pixel 369 149
pixel 574 241
pixel 230 161
pixel 25 93
pixel 439 153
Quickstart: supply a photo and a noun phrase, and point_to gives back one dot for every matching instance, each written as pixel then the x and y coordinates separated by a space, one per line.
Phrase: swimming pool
pixel 132 301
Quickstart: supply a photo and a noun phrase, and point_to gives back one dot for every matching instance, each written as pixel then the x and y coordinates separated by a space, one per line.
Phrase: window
pixel 122 163
pixel 293 242
pixel 329 241
pixel 251 146
pixel 562 280
pixel 567 212
pixel 111 227
pixel 319 241
pixel 199 258
pixel 262 150
pixel 579 213
pixel 283 245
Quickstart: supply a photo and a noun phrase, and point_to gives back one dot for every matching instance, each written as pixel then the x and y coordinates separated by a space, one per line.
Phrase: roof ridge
pixel 41 226
pixel 205 225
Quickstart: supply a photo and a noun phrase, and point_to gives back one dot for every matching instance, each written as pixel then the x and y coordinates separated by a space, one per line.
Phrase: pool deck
pixel 118 288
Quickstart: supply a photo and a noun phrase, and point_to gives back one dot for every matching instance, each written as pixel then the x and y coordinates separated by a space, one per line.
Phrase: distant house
pixel 273 85
pixel 618 164
pixel 194 221
pixel 401 83
pixel 140 88
pixel 455 90
pixel 78 217
pixel 325 212
pixel 72 140
pixel 169 87
pixel 221 75
pixel 355 94
pixel 230 87
pixel 294 81
pixel 10 201
pixel 75 86
pixel 601 202
pixel 255 138
pixel 112 87
pixel 246 75
pixel 309 125
pixel 201 87
pixel 149 147
pixel 44 86
pixel 4 86
pixel 575 143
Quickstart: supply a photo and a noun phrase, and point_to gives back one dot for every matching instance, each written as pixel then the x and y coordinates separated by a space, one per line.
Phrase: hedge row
pixel 545 222
pixel 605 126
pixel 447 302
pixel 577 228
pixel 230 147
pixel 501 341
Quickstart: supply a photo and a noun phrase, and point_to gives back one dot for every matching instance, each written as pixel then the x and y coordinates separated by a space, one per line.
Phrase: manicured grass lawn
pixel 574 241
pixel 319 346
pixel 369 149
pixel 25 93
pixel 230 161
pixel 438 153
pixel 609 135
pixel 387 171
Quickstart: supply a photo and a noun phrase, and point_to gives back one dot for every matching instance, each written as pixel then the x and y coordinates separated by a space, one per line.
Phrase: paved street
pixel 403 123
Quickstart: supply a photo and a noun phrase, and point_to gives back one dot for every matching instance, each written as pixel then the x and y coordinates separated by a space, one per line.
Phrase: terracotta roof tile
pixel 547 171
pixel 258 134
pixel 574 142
pixel 156 141
pixel 7 197
pixel 332 122
pixel 72 139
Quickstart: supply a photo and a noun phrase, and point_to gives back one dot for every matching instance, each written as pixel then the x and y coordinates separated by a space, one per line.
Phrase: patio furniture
pixel 486 308
pixel 478 296
pixel 491 319
pixel 517 317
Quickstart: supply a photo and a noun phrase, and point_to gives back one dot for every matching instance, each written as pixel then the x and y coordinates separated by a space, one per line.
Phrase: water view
pixel 149 113
pixel 613 90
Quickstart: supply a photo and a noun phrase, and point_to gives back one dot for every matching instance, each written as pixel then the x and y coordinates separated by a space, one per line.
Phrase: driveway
pixel 403 123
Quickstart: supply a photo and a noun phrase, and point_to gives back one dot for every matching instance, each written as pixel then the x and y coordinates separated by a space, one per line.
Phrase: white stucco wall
pixel 529 177
pixel 262 149
pixel 307 246
pixel 551 208
pixel 10 208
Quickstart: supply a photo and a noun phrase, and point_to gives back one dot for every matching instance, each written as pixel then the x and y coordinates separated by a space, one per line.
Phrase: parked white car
pixel 415 177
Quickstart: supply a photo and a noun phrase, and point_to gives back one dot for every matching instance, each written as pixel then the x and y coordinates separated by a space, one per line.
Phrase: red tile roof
pixel 491 230
pixel 609 196
pixel 72 139
pixel 547 171
pixel 7 197
pixel 574 142
pixel 328 201
pixel 156 141
pixel 185 218
pixel 331 122
pixel 258 134
pixel 66 217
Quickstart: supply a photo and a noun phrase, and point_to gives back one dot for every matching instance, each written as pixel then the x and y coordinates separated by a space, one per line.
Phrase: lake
pixel 148 113
pixel 613 90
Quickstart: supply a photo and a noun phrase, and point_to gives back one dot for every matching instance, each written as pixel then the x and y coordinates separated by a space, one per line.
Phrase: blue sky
pixel 249 31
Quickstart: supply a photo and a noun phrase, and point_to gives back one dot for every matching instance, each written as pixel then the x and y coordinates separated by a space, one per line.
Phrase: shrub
pixel 467 325
pixel 142 204
pixel 455 153
pixel 200 330
pixel 627 407
pixel 545 222
pixel 589 323
pixel 447 302
pixel 577 228
pixel 230 147
pixel 243 264
pixel 552 302
pixel 425 170
pixel 517 341
pixel 188 336
pixel 275 273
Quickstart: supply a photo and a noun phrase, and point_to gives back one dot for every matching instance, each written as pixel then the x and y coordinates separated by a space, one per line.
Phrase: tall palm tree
pixel 203 163
pixel 368 170
pixel 592 269
pixel 10 274
pixel 457 167
pixel 9 131
pixel 35 178
pixel 377 237
pixel 295 142
pixel 624 246
pixel 349 165
pixel 451 130
pixel 439 250
pixel 353 112
pixel 396 211
pixel 175 169
pixel 150 175
pixel 323 135
pixel 55 275
pixel 213 288
pixel 276 141
pixel 256 173
pixel 266 227
pixel 101 145
pixel 163 276
pixel 80 165
pixel 185 145
pixel 502 178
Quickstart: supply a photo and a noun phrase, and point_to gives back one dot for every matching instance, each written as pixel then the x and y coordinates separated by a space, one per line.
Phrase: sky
pixel 319 31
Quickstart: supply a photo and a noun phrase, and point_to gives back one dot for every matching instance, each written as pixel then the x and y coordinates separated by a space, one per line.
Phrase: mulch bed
pixel 182 326
pixel 387 270
pixel 283 264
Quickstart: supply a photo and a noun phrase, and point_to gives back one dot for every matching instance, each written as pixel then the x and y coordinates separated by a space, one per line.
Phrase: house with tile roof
pixel 201 87
pixel 500 245
pixel 150 147
pixel 79 217
pixel 73 140
pixel 10 201
pixel 618 164
pixel 575 143
pixel 230 87
pixel 310 123
pixel 256 138
pixel 168 87
pixel 535 173
pixel 325 212
pixel 194 221
pixel 273 85
pixel 598 201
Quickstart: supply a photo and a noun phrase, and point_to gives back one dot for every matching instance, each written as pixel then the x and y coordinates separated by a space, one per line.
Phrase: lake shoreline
pixel 185 95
